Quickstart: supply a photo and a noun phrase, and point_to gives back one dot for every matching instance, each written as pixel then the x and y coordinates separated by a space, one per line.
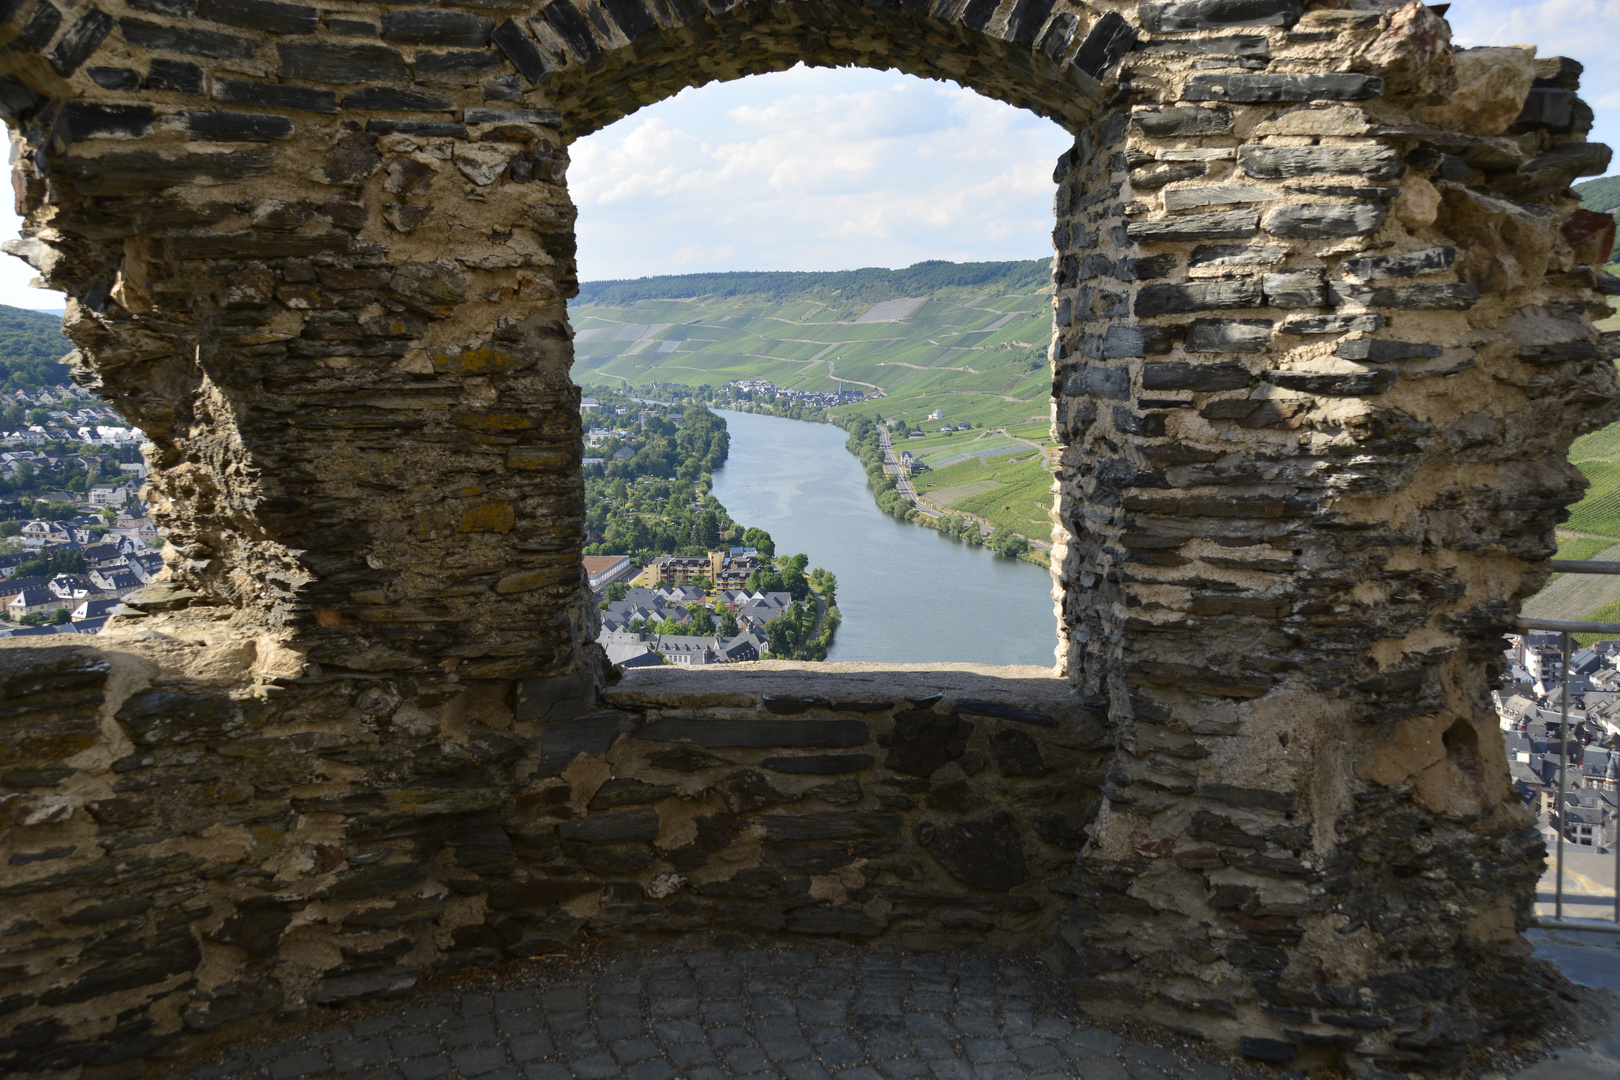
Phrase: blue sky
pixel 824 170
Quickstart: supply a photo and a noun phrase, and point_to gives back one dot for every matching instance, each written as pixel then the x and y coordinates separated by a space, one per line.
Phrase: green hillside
pixel 968 339
pixel 1601 194
pixel 31 343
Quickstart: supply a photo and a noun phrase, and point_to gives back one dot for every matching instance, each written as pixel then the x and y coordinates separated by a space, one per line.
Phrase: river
pixel 907 594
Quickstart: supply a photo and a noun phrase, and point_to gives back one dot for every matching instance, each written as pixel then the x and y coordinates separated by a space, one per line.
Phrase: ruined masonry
pixel 1322 339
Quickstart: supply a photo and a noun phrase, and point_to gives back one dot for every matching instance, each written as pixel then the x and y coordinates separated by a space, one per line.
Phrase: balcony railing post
pixel 1563 764
pixel 1564 630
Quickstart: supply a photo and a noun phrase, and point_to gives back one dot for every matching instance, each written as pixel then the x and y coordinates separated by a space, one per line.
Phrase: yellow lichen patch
pixel 490 517
pixel 481 360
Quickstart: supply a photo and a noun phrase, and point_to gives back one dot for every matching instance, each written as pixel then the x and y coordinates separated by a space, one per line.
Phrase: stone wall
pixel 1322 339
pixel 183 853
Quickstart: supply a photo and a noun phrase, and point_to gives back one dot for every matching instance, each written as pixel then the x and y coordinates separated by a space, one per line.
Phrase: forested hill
pixel 1601 195
pixel 31 344
pixel 870 285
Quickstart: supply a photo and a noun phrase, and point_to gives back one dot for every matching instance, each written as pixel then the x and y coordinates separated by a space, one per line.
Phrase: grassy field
pixel 977 354
pixel 1013 491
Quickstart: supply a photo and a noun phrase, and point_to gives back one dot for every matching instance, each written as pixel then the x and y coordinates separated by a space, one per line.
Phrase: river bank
pixel 906 595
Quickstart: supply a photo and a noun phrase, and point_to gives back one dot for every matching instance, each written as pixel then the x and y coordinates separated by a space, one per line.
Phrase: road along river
pixel 907 594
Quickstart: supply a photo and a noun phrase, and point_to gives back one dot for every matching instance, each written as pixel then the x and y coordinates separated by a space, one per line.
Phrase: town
pixel 725 607
pixel 75 537
pixel 1530 705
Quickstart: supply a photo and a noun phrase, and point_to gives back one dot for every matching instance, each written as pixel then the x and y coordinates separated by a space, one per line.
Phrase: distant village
pixel 62 414
pixel 761 390
pixel 1530 707
pixel 656 622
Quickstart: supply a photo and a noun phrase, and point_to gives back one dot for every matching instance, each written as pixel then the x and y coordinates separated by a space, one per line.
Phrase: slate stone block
pixel 266 15
pixel 1547 109
pixel 1294 289
pixel 543 117
pixel 1093 380
pixel 1325 220
pixel 1109 38
pixel 41 26
pixel 1017 754
pixel 236 127
pixel 192 41
pixel 1002 711
pixel 147 171
pixel 570 25
pixel 459 68
pixel 377 879
pixel 341 64
pixel 1198 296
pixel 1285 802
pixel 1273 1050
pixel 922 741
pixel 112 78
pixel 1200 378
pixel 1228 335
pixel 1357 384
pixel 1331 324
pixel 819 764
pixel 631 16
pixel 1372 161
pixel 440 129
pixel 1223 256
pixel 985 854
pixel 1410 264
pixel 1378 351
pixel 1025 20
pixel 157 960
pixel 89 120
pixel 1258 87
pixel 619 827
pixel 396 99
pixel 1215 14
pixel 269 95
pixel 1210 225
pixel 712 732
pixel 1439 296
pixel 178 76
pixel 832 825
pixel 562 741
pixel 521 52
pixel 437 26
pixel 847 921
pixel 1242 46
pixel 80 42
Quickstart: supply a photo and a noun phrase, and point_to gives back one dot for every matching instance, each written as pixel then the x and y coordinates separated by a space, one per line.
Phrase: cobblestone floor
pixel 727 1015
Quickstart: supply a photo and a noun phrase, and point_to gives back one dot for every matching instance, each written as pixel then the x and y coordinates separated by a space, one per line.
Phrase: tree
pixel 617 591
pixel 50 563
pixel 760 539
pixel 826 584
pixel 728 625
pixel 1006 543
pixel 702 620
pixel 61 616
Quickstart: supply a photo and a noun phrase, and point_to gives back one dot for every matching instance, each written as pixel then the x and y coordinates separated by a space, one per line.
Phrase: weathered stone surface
pixel 1182 120
pixel 1203 378
pixel 624 826
pixel 1228 335
pixel 1247 87
pixel 1439 296
pixel 341 64
pixel 923 741
pixel 1198 296
pixel 1371 162
pixel 1212 225
pixel 1294 289
pixel 1410 264
pixel 818 764
pixel 1492 84
pixel 1216 14
pixel 714 732
pixel 1323 220
pixel 986 854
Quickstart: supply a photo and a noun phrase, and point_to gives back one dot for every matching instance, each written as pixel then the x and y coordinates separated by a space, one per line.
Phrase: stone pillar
pixel 346 336
pixel 1322 350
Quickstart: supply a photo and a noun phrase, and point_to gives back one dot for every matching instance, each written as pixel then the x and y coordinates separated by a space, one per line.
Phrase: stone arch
pixel 1322 339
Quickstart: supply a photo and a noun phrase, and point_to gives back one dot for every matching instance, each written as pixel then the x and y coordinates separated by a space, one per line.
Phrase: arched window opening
pixel 811 340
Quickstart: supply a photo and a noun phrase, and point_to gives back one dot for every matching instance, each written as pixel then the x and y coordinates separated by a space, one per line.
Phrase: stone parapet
pixel 191 854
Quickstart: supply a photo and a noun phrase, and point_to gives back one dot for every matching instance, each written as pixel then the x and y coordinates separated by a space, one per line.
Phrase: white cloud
pixel 814 169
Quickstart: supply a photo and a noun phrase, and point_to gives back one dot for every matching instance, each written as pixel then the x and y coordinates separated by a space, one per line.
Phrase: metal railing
pixel 1564 630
